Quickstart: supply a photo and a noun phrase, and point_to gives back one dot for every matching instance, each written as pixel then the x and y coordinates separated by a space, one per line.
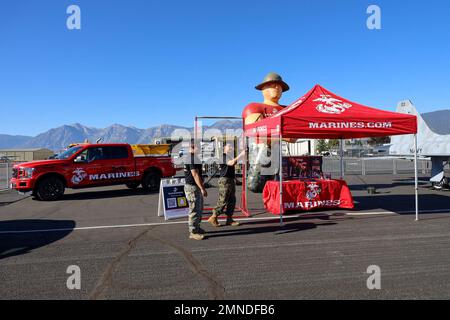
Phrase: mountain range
pixel 59 138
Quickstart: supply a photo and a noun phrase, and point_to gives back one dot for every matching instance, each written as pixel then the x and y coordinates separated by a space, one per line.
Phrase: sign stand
pixel 172 201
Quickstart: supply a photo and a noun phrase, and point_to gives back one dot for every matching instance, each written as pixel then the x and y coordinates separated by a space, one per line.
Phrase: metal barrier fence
pixel 352 166
pixel 367 166
pixel 5 175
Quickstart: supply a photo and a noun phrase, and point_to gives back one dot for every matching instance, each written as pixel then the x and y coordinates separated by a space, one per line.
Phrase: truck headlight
pixel 26 172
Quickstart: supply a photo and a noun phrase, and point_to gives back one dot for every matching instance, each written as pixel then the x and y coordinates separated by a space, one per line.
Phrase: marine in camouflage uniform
pixel 227 190
pixel 195 191
pixel 194 198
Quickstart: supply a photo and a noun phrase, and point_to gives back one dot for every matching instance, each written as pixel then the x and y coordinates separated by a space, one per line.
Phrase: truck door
pixel 103 166
pixel 111 164
pixel 122 163
pixel 82 170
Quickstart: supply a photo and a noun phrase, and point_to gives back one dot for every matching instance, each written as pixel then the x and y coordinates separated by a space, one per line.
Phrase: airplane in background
pixel 429 144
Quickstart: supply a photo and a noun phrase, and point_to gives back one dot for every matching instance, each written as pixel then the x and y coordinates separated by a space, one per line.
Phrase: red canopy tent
pixel 321 114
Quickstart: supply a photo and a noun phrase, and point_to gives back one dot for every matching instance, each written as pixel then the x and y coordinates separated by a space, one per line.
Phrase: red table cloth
pixel 305 195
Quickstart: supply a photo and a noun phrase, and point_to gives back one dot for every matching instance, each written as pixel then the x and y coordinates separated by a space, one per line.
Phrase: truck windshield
pixel 68 153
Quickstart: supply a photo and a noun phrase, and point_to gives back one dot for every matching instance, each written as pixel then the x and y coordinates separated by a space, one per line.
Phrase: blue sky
pixel 149 62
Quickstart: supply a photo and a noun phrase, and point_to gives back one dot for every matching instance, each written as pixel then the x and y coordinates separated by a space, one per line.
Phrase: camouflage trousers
pixel 227 197
pixel 195 201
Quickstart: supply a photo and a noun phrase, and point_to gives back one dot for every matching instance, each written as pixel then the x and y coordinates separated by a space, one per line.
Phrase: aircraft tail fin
pixel 429 142
pixel 407 107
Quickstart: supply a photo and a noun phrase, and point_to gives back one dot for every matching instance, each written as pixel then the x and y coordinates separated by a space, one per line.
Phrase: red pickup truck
pixel 90 165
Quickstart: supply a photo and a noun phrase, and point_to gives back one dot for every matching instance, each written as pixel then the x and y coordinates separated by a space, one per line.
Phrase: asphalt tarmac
pixel 125 251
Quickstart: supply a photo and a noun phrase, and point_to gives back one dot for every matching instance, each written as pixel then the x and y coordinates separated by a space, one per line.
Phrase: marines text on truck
pixel 93 165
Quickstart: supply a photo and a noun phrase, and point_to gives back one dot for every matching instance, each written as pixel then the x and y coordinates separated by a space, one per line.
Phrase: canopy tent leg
pixel 280 173
pixel 416 187
pixel 341 155
pixel 244 179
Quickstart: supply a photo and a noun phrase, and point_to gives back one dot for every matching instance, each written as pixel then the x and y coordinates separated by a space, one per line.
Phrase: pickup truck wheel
pixel 151 181
pixel 133 185
pixel 50 189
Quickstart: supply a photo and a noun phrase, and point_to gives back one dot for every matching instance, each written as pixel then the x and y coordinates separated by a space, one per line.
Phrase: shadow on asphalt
pixel 19 243
pixel 90 195
pixel 401 203
pixel 275 228
pixel 363 187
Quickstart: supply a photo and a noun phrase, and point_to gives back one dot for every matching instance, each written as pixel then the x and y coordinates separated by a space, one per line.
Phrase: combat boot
pixel 231 222
pixel 196 236
pixel 200 231
pixel 213 221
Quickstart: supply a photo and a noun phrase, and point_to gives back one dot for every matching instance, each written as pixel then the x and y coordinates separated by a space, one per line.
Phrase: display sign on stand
pixel 295 167
pixel 172 199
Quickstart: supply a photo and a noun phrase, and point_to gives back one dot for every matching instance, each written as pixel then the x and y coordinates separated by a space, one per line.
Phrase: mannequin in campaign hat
pixel 272 88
